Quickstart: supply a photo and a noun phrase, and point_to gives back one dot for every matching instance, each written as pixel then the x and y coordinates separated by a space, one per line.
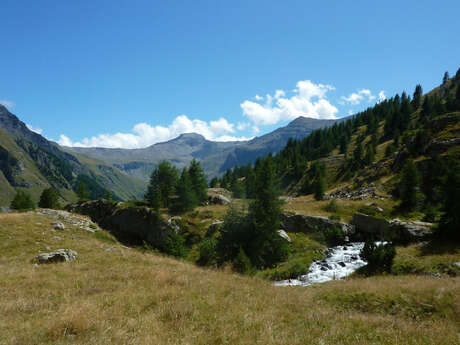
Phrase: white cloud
pixel 350 112
pixel 34 129
pixel 357 97
pixel 258 98
pixel 308 100
pixel 143 134
pixel 382 96
pixel 7 103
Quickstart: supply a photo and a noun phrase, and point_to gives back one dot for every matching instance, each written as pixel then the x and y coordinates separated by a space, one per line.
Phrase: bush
pixel 334 236
pixel 174 245
pixel 332 206
pixel 22 201
pixel 241 263
pixel 379 257
pixel 207 250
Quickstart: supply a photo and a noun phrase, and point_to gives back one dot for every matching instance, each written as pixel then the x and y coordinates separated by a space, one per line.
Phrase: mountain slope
pixel 31 162
pixel 215 157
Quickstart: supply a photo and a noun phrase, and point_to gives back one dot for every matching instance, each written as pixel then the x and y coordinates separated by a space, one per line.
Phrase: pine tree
pixel 319 187
pixel 214 182
pixel 199 183
pixel 49 199
pixel 186 199
pixel 417 99
pixel 409 186
pixel 82 192
pixel 449 226
pixel 370 154
pixel 22 201
pixel 427 106
pixel 162 184
pixel 445 78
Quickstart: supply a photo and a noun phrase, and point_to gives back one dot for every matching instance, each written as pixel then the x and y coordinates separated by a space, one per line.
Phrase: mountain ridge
pixel 214 156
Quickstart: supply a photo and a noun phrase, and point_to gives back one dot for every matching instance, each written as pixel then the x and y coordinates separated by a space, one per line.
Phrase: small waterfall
pixel 340 262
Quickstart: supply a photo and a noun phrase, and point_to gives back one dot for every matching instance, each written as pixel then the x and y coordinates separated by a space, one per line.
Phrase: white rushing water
pixel 340 262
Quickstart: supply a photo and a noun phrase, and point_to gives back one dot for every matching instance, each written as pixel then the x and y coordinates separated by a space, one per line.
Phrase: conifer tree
pixel 409 186
pixel 49 199
pixel 22 201
pixel 82 192
pixel 199 183
pixel 186 199
pixel 417 99
pixel 445 78
pixel 162 184
pixel 449 227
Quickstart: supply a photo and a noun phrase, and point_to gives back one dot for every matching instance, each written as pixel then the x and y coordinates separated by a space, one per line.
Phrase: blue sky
pixel 132 73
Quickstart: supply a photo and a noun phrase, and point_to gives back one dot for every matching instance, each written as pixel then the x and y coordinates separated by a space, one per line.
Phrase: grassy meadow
pixel 117 295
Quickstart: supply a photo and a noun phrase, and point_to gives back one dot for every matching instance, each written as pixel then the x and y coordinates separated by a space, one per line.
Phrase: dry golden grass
pixel 347 208
pixel 124 296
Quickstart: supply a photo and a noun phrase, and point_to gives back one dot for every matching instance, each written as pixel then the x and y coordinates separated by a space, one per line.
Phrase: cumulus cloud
pixel 308 99
pixel 382 96
pixel 7 103
pixel 34 129
pixel 357 97
pixel 143 134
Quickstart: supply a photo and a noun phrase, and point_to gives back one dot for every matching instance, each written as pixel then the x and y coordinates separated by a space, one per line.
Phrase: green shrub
pixel 334 236
pixel 174 245
pixel 22 201
pixel 207 251
pixel 332 206
pixel 379 257
pixel 241 262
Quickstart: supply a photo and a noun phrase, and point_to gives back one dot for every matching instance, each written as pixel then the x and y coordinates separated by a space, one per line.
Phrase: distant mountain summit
pixel 215 157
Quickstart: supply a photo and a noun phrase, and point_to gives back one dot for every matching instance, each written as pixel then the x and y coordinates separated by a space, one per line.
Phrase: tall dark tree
pixel 22 201
pixel 199 183
pixel 428 108
pixel 410 186
pixel 186 199
pixel 319 187
pixel 49 199
pixel 82 192
pixel 449 226
pixel 162 185
pixel 445 78
pixel 417 99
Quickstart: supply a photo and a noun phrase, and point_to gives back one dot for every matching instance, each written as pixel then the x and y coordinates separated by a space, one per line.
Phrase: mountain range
pixel 215 157
pixel 30 161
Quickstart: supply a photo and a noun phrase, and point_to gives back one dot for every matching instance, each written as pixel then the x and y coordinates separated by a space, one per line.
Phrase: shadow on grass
pixel 439 247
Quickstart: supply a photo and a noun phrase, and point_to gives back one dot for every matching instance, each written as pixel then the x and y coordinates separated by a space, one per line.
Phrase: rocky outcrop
pixel 438 146
pixel 310 224
pixel 133 225
pixel 395 230
pixel 58 226
pixel 218 200
pixel 60 255
pixel 369 192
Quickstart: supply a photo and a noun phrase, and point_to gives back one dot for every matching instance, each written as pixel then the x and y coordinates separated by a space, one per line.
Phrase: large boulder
pixel 411 231
pixel 396 230
pixel 60 255
pixel 284 235
pixel 310 224
pixel 218 199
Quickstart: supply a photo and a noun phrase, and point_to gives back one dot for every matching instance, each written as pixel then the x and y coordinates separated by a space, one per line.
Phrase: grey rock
pixel 310 224
pixel 58 226
pixel 218 199
pixel 60 255
pixel 395 229
pixel 284 235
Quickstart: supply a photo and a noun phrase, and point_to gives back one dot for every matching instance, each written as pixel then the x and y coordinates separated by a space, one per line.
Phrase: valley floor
pixel 116 295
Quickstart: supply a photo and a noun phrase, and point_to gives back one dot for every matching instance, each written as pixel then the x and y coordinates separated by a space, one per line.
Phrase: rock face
pixel 369 192
pixel 395 229
pixel 133 225
pixel 310 224
pixel 218 200
pixel 60 255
